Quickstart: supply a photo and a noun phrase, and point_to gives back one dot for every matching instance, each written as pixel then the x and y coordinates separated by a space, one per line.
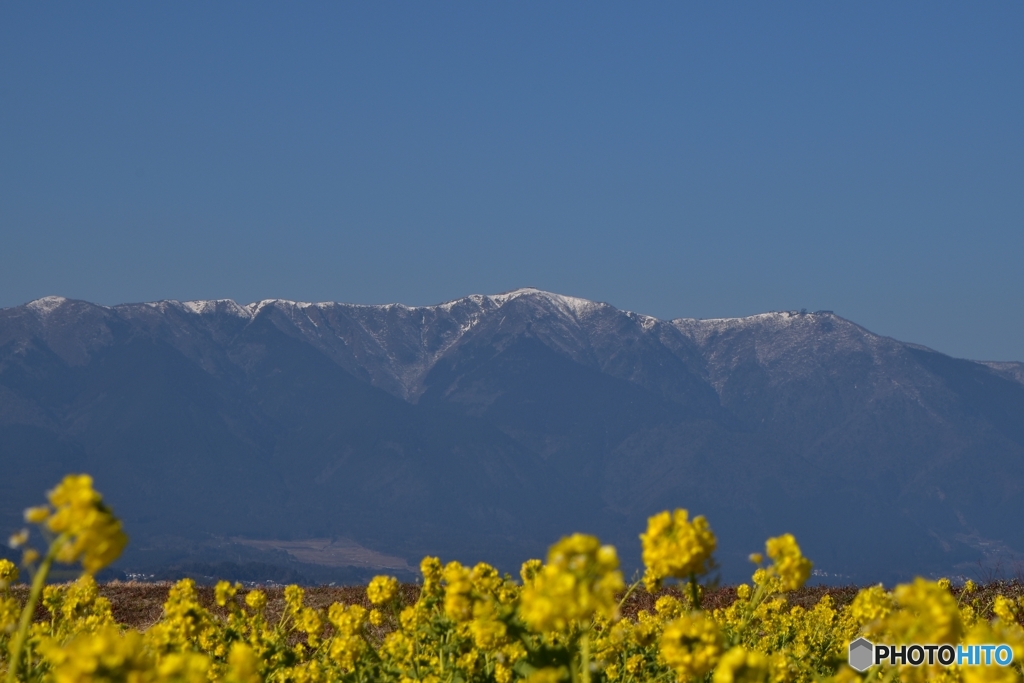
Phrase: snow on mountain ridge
pixel 397 345
pixel 787 328
pixel 46 305
pixel 213 306
pixel 1011 370
pixel 576 305
pixel 791 346
pixel 410 339
pixel 703 328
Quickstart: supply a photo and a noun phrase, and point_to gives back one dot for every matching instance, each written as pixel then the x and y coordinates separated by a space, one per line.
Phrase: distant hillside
pixel 484 428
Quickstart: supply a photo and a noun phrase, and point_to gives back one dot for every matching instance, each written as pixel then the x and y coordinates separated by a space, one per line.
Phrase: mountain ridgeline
pixel 487 427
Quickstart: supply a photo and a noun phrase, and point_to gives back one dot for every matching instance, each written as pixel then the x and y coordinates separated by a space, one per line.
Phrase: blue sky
pixel 705 159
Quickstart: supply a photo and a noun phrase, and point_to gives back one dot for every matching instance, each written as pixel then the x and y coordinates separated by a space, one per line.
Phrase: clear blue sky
pixel 677 159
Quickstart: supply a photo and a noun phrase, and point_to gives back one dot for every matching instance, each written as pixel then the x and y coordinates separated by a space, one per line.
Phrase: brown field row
pixel 139 605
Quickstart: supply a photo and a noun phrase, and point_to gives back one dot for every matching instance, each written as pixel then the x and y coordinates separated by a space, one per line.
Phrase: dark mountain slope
pixel 924 439
pixel 484 428
pixel 277 442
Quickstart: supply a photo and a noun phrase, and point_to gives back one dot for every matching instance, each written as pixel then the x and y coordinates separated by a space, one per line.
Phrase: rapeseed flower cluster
pixel 675 547
pixel 788 563
pixel 382 589
pixel 90 531
pixel 580 580
pixel 8 573
pixel 691 645
pixel 560 622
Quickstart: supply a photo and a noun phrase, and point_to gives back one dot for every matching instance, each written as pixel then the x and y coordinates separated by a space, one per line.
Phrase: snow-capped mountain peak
pixel 46 305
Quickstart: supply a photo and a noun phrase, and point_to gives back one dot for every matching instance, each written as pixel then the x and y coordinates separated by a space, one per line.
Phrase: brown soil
pixel 140 605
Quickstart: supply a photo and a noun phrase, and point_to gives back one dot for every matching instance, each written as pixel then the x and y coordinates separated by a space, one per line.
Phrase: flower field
pixel 571 617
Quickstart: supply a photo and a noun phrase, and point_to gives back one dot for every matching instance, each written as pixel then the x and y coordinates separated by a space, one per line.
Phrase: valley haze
pixel 333 440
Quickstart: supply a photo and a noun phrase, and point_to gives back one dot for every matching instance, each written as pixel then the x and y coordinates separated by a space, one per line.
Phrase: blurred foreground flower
pixel 91 531
pixel 675 547
pixel 580 580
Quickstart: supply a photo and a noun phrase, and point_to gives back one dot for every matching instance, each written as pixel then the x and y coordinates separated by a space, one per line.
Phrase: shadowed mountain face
pixel 484 428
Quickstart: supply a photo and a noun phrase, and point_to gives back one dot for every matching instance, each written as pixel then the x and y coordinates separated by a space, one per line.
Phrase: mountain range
pixel 334 440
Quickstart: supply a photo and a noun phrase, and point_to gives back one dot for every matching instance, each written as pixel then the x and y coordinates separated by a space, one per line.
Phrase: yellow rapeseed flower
pixel 413 617
pixel 468 662
pixel 243 665
pixel 788 563
pixel 673 546
pixel 184 667
pixel 76 608
pixel 503 673
pixel 10 609
pixel 474 624
pixel 871 605
pixel 104 655
pixel 382 589
pixel 486 579
pixel 92 531
pixel 458 600
pixel 293 597
pixel 431 570
pixel 399 646
pixel 256 601
pixel 580 580
pixel 18 539
pixel 487 633
pixel 741 666
pixel 8 573
pixel 346 618
pixel 1005 609
pixel 348 644
pixel 984 633
pixel 926 613
pixel 645 631
pixel 225 592
pixel 668 607
pixel 548 674
pixel 529 570
pixel 309 623
pixel 37 515
pixel 691 645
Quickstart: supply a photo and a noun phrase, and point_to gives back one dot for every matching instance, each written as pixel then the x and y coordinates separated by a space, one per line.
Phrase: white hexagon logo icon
pixel 862 654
